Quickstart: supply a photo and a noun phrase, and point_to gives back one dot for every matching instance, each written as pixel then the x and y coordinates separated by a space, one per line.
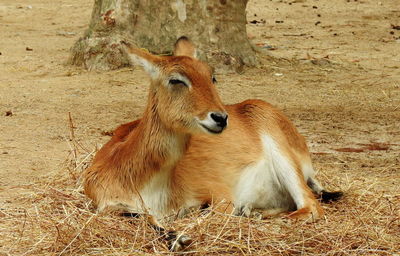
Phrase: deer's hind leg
pixel 307 206
pixel 290 179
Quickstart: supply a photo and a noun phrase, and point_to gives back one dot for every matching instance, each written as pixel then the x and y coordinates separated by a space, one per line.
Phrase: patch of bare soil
pixel 332 66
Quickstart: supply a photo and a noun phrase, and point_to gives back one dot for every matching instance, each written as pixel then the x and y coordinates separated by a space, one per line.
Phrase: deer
pixel 190 150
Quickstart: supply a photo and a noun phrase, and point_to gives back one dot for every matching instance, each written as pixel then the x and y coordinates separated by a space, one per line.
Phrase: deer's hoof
pixel 178 242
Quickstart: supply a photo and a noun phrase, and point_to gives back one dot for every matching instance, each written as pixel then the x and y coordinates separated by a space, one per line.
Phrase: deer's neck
pixel 156 146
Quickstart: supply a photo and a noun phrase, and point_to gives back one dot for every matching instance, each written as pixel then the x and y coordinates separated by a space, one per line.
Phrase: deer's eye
pixel 213 79
pixel 177 81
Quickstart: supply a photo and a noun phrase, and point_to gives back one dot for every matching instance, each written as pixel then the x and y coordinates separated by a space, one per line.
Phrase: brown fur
pixel 201 166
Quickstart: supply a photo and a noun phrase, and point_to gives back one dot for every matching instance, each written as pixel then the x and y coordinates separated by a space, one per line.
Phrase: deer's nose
pixel 220 119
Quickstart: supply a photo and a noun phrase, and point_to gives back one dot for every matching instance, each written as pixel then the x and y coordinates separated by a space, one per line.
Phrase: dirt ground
pixel 332 66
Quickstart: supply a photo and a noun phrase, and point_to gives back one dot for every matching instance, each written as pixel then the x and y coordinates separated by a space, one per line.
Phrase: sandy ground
pixel 336 75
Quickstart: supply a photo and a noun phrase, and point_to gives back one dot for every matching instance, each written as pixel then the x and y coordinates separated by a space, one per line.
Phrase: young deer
pixel 183 154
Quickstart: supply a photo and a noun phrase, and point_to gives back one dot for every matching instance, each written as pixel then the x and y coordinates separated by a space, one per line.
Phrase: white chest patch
pixel 156 194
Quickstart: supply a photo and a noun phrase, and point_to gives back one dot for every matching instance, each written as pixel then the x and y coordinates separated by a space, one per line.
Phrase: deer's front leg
pixel 177 241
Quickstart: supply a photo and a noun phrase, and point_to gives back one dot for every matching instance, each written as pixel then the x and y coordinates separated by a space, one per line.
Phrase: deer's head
pixel 183 90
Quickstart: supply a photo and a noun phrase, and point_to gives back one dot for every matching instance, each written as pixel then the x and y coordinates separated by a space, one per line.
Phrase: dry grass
pixel 57 219
pixel 352 99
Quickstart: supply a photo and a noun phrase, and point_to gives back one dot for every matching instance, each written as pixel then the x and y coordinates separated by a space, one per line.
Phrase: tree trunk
pixel 217 27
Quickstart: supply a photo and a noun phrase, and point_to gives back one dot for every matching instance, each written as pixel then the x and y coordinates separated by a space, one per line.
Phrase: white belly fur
pixel 270 183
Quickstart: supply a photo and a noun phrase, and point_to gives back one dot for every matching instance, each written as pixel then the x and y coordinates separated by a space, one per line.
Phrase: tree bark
pixel 217 27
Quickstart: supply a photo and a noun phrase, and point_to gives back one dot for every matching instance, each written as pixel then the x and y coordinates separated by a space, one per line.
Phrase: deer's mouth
pixel 215 130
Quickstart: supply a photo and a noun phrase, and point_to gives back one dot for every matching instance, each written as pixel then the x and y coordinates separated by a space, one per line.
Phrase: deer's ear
pixel 184 47
pixel 145 59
